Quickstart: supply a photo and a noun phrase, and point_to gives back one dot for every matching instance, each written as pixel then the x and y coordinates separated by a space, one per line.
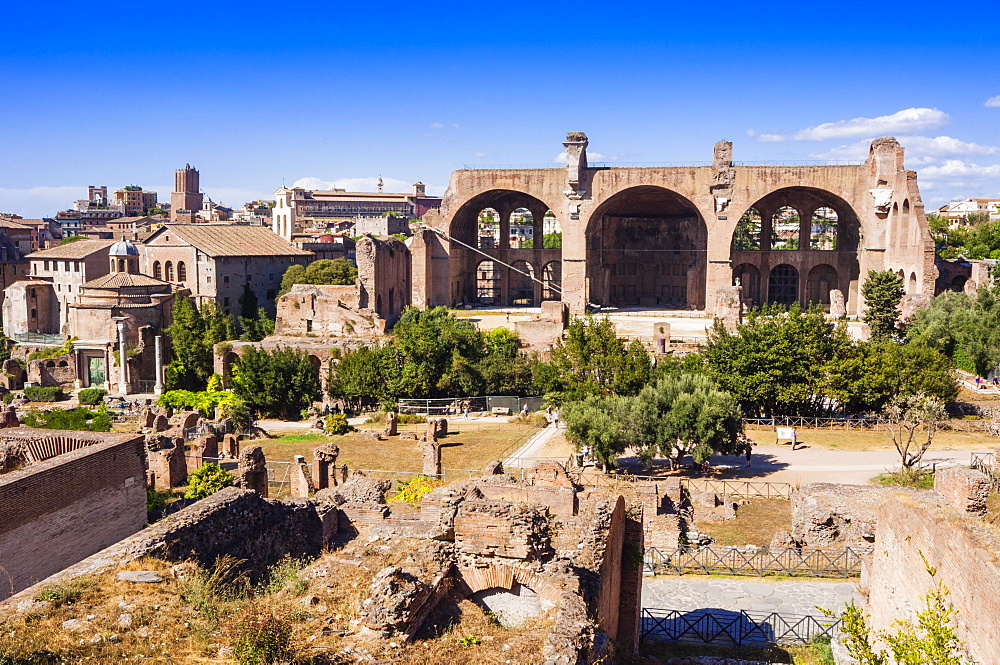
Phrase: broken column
pixel 838 306
pixel 300 480
pixel 661 336
pixel 251 473
pixel 390 424
pixel 431 449
pixel 729 306
pixel 325 466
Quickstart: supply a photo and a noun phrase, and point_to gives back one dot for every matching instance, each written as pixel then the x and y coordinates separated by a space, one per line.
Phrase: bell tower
pixel 187 196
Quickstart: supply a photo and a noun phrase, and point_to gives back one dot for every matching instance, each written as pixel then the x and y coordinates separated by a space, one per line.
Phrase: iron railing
pixel 729 627
pixel 756 562
pixel 39 338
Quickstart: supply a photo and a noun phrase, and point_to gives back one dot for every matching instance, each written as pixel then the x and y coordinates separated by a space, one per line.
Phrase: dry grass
pixel 756 523
pixel 468 445
pixel 189 621
pixel 656 653
pixel 874 440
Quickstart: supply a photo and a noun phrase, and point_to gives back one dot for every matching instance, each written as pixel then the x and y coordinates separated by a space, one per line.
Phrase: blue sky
pixel 254 94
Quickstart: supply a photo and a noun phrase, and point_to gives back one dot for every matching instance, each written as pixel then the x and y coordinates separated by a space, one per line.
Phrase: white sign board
pixel 786 433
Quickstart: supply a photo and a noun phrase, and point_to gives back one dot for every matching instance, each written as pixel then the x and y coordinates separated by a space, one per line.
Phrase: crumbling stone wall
pixel 913 528
pixel 828 515
pixel 516 531
pixel 965 490
pixel 383 277
pixel 60 510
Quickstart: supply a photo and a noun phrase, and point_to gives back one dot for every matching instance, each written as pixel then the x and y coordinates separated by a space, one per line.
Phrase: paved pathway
pixel 526 456
pixel 694 593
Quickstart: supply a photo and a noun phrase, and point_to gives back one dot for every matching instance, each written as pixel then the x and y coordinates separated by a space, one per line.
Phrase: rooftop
pixel 231 240
pixel 78 249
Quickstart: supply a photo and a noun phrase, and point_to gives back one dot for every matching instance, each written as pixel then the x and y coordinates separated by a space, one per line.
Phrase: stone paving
pixel 694 593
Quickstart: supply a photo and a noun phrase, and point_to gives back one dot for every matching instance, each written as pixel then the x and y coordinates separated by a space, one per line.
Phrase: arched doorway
pixel 749 279
pixel 821 280
pixel 552 281
pixel 522 284
pixel 783 285
pixel 646 247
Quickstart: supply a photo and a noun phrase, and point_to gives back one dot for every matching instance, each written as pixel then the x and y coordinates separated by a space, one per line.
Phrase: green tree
pixel 361 378
pixel 964 327
pixel 775 363
pixel 685 414
pixel 68 240
pixel 280 384
pixel 206 480
pixel 592 359
pixel 193 334
pixel 436 354
pixel 883 291
pixel 253 323
pixel 865 377
pixel 604 423
pixel 323 271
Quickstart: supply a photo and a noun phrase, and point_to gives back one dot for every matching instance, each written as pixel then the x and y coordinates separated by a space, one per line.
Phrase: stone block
pixel 965 490
pixel 838 305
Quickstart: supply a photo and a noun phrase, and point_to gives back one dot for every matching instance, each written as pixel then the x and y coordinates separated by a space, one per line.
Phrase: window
pixel 170 271
pixel 225 280
pixel 225 302
pixel 181 271
pixel 271 294
pixel 76 266
pixel 66 266
pixel 208 278
pixel 157 271
pixel 46 266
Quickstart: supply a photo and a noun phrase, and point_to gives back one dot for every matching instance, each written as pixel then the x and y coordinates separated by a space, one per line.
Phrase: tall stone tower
pixel 186 199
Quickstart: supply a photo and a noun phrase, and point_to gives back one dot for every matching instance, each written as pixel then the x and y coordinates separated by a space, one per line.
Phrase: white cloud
pixel 919 149
pixel 992 102
pixel 956 168
pixel 435 125
pixel 591 157
pixel 901 122
pixel 35 202
pixel 369 184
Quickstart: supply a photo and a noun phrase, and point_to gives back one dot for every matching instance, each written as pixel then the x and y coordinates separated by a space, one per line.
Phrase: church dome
pixel 123 248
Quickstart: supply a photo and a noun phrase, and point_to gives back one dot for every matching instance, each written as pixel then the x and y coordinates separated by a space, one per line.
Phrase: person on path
pixel 749 452
pixel 555 418
pixel 524 409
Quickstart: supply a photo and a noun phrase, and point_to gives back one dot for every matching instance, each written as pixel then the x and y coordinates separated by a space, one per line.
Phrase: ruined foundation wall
pixel 964 553
pixel 58 511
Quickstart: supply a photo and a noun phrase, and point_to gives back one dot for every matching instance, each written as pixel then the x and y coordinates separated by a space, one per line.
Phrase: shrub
pixel 156 500
pixel 336 423
pixel 262 636
pixel 8 398
pixel 207 480
pixel 413 490
pixel 63 350
pixel 91 396
pixel 43 394
pixel 80 419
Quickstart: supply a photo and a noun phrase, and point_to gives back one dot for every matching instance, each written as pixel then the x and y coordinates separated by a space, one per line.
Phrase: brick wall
pixel 499 529
pixel 61 510
pixel 962 550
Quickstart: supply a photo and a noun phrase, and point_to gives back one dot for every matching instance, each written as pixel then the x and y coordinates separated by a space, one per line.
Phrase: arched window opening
pixel 958 283
pixel 489 229
pixel 551 232
pixel 522 228
pixel 157 270
pixel 487 283
pixel 181 271
pixel 823 229
pixel 522 286
pixel 747 234
pixel 170 271
pixel 785 229
pixel 783 285
pixel 552 280
pixel 913 284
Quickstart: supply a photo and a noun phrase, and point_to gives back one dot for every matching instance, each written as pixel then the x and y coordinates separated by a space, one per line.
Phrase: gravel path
pixel 799 598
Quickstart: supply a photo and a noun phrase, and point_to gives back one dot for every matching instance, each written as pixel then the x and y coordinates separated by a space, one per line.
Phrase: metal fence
pixel 876 423
pixel 756 562
pixel 39 338
pixel 445 406
pixel 712 626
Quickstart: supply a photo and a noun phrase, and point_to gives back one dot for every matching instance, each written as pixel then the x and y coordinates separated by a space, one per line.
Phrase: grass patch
pixel 756 523
pixel 468 445
pixel 921 480
pixel 68 592
pixel 793 655
pixel 841 439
